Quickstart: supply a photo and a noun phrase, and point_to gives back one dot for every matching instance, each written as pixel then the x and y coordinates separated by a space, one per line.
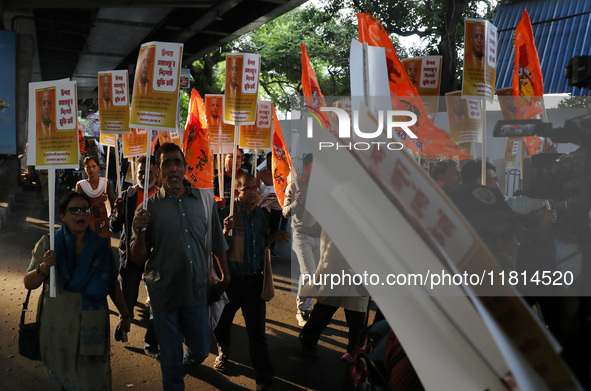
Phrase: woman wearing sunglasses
pixel 75 345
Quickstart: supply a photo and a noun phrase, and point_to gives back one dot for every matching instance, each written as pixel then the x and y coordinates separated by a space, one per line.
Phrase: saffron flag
pixel 431 142
pixel 528 83
pixel 154 141
pixel 532 144
pixel 81 141
pixel 281 161
pixel 312 95
pixel 196 108
pixel 198 153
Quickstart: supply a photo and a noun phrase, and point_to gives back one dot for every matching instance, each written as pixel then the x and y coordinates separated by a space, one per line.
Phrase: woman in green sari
pixel 75 345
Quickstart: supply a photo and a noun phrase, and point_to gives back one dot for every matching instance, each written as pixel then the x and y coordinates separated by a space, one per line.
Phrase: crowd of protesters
pixel 190 252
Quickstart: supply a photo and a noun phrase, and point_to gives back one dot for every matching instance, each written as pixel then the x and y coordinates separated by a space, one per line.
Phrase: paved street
pixel 132 369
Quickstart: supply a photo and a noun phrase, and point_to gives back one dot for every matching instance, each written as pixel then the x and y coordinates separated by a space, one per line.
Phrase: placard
pixel 136 143
pixel 425 74
pixel 465 118
pixel 214 109
pixel 480 59
pixel 113 100
pixel 170 137
pixel 185 79
pixel 108 139
pixel 53 125
pixel 258 136
pixel 242 85
pixel 156 86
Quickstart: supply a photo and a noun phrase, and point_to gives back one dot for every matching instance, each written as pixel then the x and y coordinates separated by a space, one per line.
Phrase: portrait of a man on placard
pixel 412 70
pixel 45 99
pixel 213 111
pixel 106 101
pixel 144 69
pixel 475 45
pixel 233 77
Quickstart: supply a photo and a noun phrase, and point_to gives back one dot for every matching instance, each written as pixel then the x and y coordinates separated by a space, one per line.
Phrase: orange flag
pixel 528 83
pixel 532 143
pixel 154 142
pixel 281 161
pixel 310 87
pixel 198 153
pixel 81 143
pixel 431 142
pixel 197 108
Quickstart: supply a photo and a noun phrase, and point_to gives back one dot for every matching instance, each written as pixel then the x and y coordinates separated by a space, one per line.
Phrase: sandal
pixel 220 363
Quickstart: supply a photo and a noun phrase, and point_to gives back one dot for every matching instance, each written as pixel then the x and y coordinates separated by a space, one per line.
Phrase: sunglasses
pixel 76 211
pixel 251 188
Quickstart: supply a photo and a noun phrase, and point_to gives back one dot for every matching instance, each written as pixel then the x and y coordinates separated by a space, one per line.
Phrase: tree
pixel 204 77
pixel 572 102
pixel 278 42
pixel 437 21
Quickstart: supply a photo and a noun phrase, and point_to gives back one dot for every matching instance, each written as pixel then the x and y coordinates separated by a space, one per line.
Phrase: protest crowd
pixel 199 214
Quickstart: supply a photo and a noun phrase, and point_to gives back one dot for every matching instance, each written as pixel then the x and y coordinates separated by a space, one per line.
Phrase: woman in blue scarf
pixel 75 345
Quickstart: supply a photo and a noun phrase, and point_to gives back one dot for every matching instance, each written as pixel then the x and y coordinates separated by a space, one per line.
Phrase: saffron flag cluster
pixel 431 142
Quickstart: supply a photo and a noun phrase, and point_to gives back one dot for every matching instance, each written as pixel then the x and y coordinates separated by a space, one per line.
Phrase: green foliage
pixel 184 98
pixel 278 42
pixel 206 77
pixel 205 73
pixel 575 102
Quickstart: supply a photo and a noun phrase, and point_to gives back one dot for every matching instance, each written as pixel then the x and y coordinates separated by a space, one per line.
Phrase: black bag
pixel 28 334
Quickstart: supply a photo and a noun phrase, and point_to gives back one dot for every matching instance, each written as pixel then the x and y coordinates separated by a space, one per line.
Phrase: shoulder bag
pixel 28 334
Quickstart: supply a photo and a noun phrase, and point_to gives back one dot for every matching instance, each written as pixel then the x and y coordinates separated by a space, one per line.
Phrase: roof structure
pixel 78 38
pixel 562 30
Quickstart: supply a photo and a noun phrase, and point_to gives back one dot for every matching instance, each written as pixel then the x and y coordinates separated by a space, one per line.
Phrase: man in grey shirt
pixel 174 237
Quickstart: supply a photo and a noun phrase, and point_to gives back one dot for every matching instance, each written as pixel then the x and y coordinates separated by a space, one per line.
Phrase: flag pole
pixel 483 152
pixel 132 166
pixel 107 163
pixel 220 163
pixel 117 165
pixel 366 73
pixel 294 152
pixel 544 113
pixel 220 172
pixel 51 191
pixel 254 166
pixel 233 187
pixel 147 174
pixel 108 204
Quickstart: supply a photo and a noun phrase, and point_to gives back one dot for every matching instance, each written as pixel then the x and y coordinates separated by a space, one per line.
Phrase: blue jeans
pixel 190 324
